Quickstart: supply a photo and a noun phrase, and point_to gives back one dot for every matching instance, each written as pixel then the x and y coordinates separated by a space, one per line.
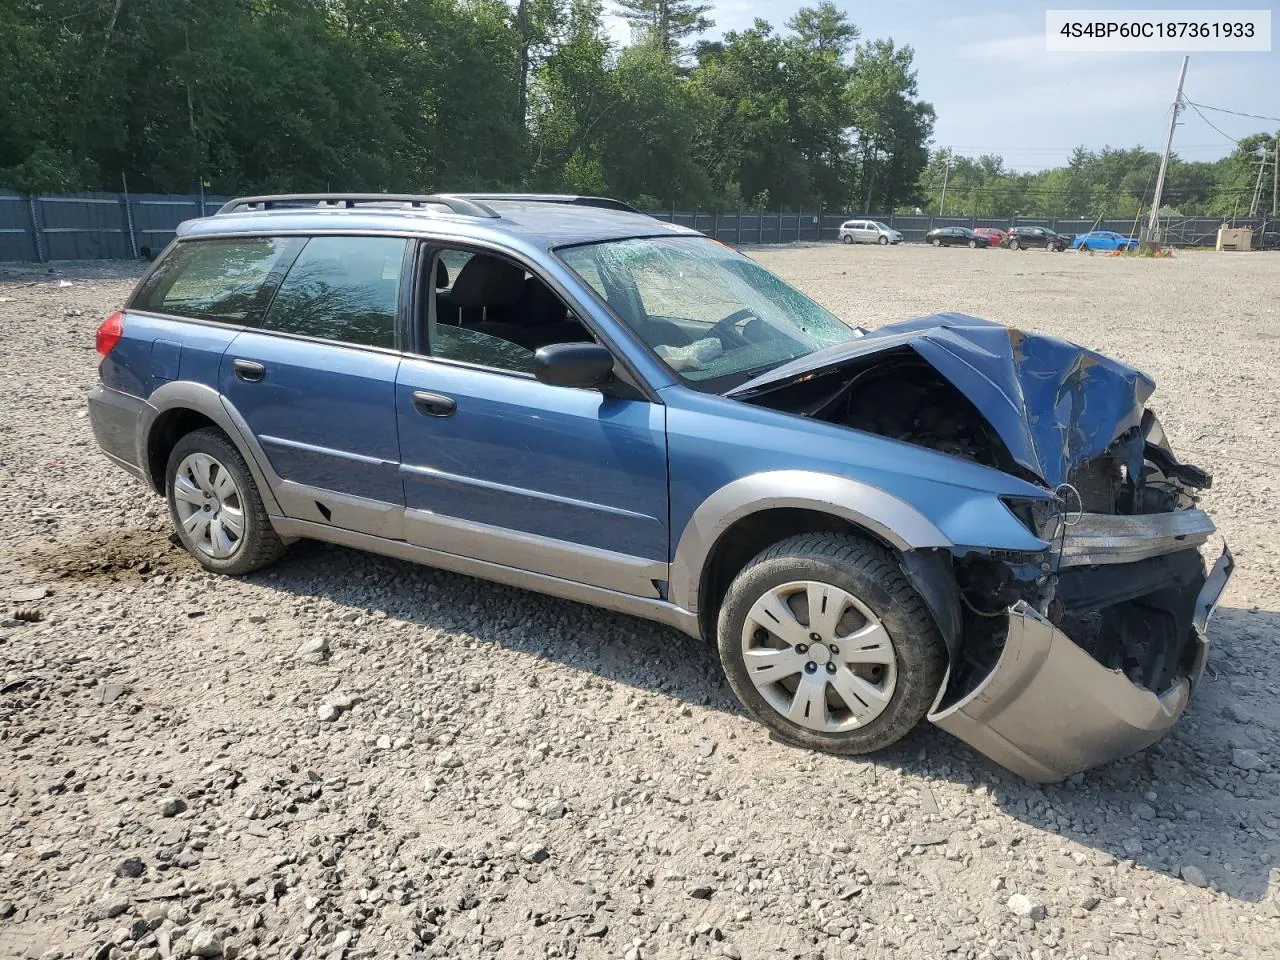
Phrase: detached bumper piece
pixel 1052 705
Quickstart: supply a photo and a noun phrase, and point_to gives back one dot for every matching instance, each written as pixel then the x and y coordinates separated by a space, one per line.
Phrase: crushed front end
pixel 1089 649
pixel 1091 652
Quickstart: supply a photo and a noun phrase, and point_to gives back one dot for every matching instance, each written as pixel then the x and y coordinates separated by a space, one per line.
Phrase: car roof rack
pixel 463 206
pixel 604 203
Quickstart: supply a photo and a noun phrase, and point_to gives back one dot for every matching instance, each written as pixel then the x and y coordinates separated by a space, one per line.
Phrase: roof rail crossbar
pixel 460 205
pixel 604 203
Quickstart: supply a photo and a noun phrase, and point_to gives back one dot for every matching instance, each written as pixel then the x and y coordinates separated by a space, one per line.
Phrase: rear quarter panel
pixel 155 350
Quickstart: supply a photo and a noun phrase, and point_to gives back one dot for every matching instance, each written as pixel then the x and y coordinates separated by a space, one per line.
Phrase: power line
pixel 1237 113
pixel 1208 121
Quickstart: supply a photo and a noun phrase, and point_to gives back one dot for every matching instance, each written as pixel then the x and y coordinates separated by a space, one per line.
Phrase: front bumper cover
pixel 1048 709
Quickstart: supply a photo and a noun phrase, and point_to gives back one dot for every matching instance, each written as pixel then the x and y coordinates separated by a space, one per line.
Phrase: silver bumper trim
pixel 1100 538
pixel 1048 709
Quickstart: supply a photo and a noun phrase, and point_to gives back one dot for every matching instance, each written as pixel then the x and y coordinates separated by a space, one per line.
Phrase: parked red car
pixel 994 234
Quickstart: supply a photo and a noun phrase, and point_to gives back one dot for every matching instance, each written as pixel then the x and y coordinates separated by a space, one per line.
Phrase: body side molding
pixel 644 607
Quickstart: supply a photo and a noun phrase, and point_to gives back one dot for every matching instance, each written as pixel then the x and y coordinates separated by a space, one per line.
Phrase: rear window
pixel 342 288
pixel 223 280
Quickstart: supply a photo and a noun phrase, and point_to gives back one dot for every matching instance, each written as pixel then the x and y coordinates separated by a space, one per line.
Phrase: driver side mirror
pixel 573 364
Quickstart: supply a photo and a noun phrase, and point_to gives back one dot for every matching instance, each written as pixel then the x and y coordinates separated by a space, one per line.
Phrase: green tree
pixel 892 124
pixel 665 24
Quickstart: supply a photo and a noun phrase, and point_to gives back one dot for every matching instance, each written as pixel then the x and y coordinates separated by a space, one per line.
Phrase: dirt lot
pixel 516 776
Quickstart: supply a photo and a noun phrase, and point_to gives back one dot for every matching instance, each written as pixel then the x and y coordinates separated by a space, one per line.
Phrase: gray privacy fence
pixel 93 226
pixel 112 226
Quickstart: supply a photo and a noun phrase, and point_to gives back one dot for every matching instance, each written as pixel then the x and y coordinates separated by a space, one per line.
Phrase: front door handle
pixel 434 404
pixel 249 370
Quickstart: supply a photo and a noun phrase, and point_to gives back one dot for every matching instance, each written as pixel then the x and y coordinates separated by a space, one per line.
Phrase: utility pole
pixel 1153 224
pixel 946 172
pixel 1275 173
pixel 1257 186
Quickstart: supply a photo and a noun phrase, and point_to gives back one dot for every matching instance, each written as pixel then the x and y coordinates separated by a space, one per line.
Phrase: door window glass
pixel 342 288
pixel 220 280
pixel 491 312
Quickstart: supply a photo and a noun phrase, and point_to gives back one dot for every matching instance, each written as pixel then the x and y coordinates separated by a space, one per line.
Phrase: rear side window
pixel 223 280
pixel 342 288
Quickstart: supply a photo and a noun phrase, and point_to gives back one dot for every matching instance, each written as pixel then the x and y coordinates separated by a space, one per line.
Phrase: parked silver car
pixel 868 231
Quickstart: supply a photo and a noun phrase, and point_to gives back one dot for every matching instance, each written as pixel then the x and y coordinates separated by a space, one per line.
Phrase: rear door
pixel 316 383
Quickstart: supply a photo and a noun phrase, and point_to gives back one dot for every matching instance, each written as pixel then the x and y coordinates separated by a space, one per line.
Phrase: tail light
pixel 109 333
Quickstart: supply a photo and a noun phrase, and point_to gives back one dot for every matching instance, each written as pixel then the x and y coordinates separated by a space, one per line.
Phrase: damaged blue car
pixel 944 518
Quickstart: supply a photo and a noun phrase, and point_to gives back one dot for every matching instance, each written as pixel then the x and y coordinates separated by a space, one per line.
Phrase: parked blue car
pixel 1103 240
pixel 944 517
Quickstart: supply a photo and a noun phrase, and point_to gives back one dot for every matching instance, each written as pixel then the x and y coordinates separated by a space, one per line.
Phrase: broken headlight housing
pixel 1042 516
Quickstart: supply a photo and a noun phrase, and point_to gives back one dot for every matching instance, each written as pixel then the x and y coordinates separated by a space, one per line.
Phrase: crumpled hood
pixel 1054 404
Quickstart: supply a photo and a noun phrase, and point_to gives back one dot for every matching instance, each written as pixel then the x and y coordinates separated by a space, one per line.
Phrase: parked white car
pixel 868 231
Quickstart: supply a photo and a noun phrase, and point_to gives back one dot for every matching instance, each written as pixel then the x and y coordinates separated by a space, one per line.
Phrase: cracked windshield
pixel 714 317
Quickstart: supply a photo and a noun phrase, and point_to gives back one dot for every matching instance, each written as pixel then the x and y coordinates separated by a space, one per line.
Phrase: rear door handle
pixel 434 404
pixel 249 370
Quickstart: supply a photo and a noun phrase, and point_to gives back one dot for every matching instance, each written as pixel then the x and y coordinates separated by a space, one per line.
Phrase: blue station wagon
pixel 942 518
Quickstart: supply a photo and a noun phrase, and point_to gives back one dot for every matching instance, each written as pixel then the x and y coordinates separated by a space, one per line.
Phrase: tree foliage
pixel 415 95
pixel 1110 182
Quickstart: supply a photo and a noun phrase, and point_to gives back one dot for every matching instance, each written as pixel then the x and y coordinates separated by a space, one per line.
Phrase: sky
pixel 985 69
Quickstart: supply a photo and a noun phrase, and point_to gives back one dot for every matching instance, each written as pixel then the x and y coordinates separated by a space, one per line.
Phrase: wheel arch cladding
pixel 755 506
pixel 166 430
pixel 174 410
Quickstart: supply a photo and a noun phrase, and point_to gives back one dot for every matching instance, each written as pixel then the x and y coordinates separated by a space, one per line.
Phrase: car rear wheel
pixel 215 506
pixel 1015 245
pixel 826 644
pixel 846 239
pixel 883 240
pixel 936 242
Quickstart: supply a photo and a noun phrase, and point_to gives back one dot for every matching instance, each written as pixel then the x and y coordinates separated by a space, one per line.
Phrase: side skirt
pixel 644 607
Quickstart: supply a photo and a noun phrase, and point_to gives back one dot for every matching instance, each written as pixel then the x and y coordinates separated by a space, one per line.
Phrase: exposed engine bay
pixel 1121 577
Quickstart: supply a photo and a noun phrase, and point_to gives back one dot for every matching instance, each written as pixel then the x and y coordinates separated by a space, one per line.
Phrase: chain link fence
pixel 118 226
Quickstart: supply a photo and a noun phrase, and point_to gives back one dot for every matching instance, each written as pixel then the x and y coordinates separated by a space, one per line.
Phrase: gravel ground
pixel 352 756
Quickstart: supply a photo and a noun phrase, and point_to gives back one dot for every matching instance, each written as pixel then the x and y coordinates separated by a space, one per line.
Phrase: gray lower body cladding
pixel 1109 668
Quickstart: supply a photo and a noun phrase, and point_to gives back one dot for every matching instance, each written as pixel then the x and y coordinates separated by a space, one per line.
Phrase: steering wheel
pixel 726 330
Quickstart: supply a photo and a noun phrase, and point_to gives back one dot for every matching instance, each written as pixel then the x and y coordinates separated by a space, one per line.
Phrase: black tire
pixel 1015 244
pixel 868 572
pixel 973 244
pixel 1084 248
pixel 883 240
pixel 847 239
pixel 936 242
pixel 259 545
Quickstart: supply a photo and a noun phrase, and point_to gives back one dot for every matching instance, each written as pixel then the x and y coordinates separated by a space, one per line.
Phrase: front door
pixel 497 466
pixel 316 385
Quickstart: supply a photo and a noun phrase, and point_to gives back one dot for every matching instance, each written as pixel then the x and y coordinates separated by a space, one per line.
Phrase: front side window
pixel 222 280
pixel 491 312
pixel 342 288
pixel 714 317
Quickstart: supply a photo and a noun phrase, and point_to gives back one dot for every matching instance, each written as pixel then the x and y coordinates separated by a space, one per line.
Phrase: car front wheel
pixel 826 643
pixel 883 240
pixel 936 242
pixel 215 506
pixel 973 244
pixel 1015 245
